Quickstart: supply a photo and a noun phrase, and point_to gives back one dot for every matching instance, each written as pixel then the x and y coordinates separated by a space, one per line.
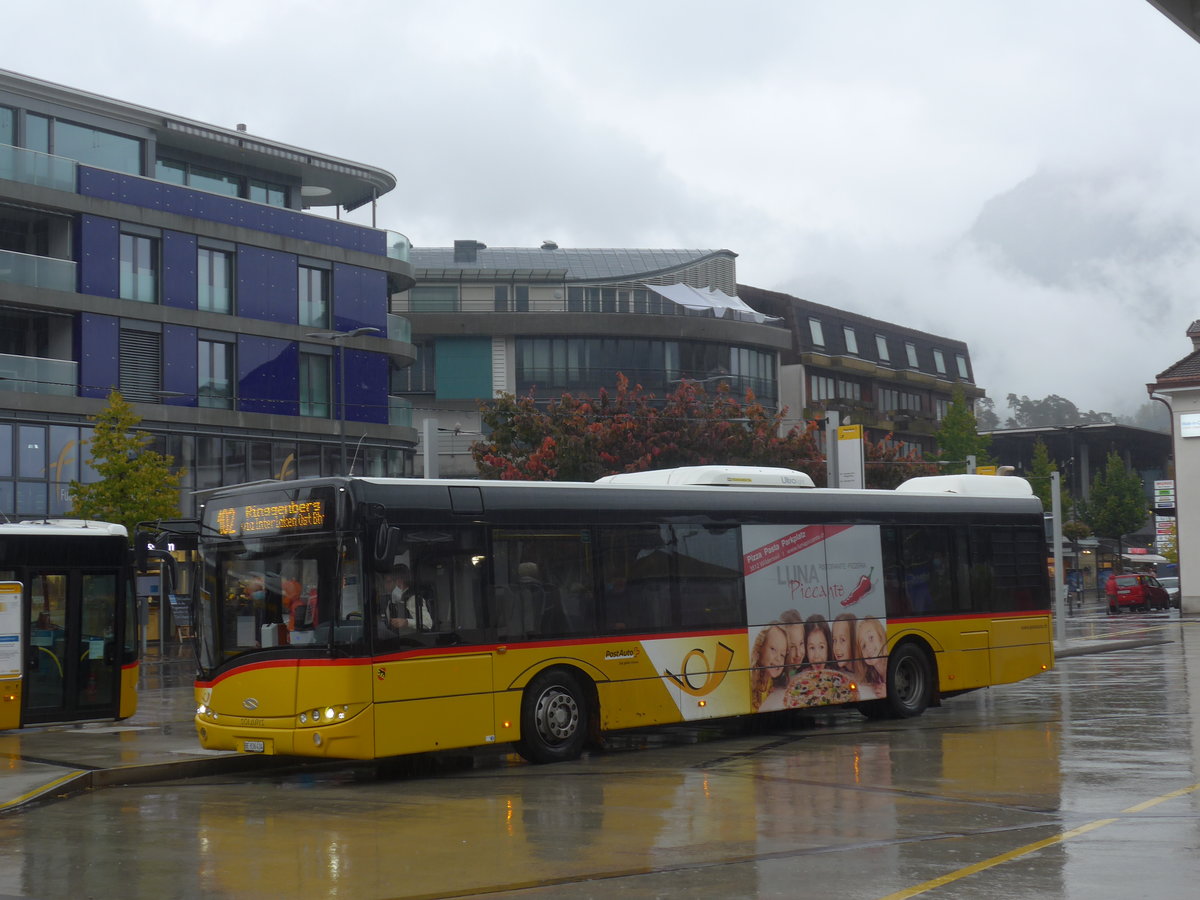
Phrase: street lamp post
pixel 338 338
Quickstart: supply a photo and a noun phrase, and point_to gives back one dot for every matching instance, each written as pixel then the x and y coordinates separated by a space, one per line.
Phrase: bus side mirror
pixel 386 547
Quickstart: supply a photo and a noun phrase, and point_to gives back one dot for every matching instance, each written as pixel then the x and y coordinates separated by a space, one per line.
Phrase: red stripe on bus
pixel 1022 614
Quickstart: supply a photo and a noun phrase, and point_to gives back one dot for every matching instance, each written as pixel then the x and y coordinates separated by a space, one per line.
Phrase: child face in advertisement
pixel 775 649
pixel 843 641
pixel 871 641
pixel 817 647
pixel 795 650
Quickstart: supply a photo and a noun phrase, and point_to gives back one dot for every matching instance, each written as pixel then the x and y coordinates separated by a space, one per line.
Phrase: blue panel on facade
pixel 99 243
pixel 179 270
pixel 366 387
pixel 266 285
pixel 151 194
pixel 268 376
pixel 464 368
pixel 359 298
pixel 96 341
pixel 179 364
pixel 98 183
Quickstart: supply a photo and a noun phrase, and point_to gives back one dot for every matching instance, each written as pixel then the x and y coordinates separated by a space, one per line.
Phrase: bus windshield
pixel 279 592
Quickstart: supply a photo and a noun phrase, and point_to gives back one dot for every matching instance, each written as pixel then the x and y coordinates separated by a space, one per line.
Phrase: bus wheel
pixel 909 681
pixel 554 718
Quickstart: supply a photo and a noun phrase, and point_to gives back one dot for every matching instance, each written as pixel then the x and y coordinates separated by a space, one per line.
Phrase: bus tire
pixel 909 681
pixel 555 717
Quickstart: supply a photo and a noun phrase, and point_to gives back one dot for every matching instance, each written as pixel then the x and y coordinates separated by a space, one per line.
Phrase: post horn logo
pixel 713 674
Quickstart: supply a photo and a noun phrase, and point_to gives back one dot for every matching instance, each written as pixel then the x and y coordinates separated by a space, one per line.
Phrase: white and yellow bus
pixel 68 624
pixel 361 618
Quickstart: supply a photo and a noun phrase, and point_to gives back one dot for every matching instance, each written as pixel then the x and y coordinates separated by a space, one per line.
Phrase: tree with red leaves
pixel 580 439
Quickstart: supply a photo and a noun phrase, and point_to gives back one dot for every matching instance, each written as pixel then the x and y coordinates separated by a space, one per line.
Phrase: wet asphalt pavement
pixel 1082 782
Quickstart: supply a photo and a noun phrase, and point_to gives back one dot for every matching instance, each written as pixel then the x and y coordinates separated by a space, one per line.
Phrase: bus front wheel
pixel 909 681
pixel 554 718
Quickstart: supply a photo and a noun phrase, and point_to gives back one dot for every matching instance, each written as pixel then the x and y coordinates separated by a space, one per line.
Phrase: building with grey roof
pixel 553 319
pixel 895 381
pixel 183 264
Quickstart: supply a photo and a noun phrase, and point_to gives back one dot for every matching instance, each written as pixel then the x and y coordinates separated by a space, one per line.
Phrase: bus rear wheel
pixel 554 718
pixel 909 682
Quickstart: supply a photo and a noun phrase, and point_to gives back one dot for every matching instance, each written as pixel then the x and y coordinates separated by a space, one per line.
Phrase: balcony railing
pixel 399 329
pixel 398 246
pixel 564 305
pixel 37 271
pixel 32 167
pixel 400 412
pixel 37 375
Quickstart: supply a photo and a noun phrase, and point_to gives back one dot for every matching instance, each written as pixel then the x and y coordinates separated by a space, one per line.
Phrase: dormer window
pixel 851 340
pixel 911 349
pixel 881 348
pixel 939 362
pixel 818 335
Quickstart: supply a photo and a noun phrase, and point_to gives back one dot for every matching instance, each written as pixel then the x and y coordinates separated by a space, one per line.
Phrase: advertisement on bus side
pixel 816 613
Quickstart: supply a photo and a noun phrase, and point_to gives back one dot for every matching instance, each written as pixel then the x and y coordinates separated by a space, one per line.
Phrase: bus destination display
pixel 271 518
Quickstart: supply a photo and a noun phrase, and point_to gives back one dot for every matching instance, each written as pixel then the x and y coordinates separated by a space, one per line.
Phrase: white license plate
pixel 253 746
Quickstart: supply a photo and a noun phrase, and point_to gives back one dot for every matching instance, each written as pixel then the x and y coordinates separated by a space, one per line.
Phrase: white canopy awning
pixel 1149 559
pixel 719 302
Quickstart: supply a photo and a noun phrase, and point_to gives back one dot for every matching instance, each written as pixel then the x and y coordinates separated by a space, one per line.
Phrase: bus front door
pixel 71 660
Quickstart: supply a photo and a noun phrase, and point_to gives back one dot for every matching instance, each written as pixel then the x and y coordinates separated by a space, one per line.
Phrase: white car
pixel 1171 583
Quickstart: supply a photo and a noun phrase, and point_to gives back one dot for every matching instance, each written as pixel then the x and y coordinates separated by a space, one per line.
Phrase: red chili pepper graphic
pixel 860 590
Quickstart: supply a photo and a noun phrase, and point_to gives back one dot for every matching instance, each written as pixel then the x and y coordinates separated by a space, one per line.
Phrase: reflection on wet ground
pixel 825 804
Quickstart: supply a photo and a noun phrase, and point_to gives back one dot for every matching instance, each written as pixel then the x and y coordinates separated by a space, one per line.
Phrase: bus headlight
pixel 329 712
pixel 303 718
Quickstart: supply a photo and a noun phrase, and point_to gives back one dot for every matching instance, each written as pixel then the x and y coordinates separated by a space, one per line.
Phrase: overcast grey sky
pixel 1020 175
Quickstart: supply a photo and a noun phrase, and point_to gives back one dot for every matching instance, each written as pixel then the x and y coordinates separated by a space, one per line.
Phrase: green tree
pixel 958 436
pixel 136 484
pixel 1040 472
pixel 1117 504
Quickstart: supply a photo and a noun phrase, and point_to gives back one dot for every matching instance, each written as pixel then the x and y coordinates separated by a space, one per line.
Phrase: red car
pixel 1137 592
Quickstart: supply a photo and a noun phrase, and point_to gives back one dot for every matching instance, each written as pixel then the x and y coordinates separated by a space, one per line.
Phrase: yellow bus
pixel 68 626
pixel 361 618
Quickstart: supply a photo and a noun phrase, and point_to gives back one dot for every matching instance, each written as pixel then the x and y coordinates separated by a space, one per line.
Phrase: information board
pixel 11 651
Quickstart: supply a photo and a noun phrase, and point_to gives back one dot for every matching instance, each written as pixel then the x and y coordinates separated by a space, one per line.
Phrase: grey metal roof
pixel 612 264
pixel 334 181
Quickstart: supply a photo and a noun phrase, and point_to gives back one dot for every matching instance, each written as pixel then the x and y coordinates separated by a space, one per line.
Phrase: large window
pixel 514 298
pixel 314 385
pixel 961 362
pixel 314 297
pixel 588 364
pixel 939 362
pixel 214 370
pixel 214 279
pixel 419 378
pixel 881 348
pixel 91 146
pixel 910 350
pixel 851 340
pixel 139 268
pixel 8 127
pixel 817 333
pixel 662 577
pixel 231 185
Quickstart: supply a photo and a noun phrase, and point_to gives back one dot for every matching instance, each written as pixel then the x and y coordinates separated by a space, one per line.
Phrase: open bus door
pixel 73 651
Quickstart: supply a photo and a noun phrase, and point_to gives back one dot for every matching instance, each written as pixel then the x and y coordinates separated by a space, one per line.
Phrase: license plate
pixel 253 746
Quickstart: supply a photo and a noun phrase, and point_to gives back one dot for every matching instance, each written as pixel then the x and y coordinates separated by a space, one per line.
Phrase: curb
pixel 79 781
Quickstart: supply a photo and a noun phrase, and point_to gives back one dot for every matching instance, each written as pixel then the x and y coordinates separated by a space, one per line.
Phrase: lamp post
pixel 338 338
